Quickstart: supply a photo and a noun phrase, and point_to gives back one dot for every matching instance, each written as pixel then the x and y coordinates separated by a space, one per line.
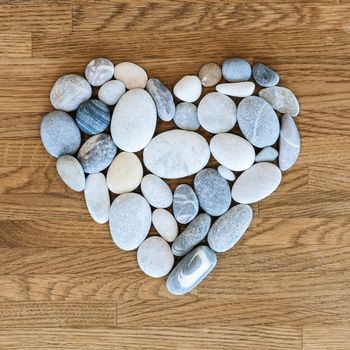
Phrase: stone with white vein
pixel 185 204
pixel 165 224
pixel 188 88
pixel 132 75
pixel 156 191
pixel 242 89
pixel 99 71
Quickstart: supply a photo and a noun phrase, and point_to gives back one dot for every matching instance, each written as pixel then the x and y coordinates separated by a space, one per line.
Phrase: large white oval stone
pixel 134 120
pixel 176 153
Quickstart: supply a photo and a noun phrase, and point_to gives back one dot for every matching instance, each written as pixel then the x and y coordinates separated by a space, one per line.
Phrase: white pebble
pixel 165 224
pixel 156 191
pixel 226 173
pixel 188 88
pixel 132 75
pixel 111 92
pixel 243 89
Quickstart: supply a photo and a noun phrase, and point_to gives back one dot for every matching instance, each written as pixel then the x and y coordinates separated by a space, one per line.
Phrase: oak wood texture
pixel 63 283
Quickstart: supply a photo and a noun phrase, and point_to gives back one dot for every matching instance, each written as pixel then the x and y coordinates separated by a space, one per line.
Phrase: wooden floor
pixel 286 285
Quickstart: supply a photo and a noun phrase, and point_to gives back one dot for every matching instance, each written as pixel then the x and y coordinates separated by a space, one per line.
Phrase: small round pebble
pixel 69 92
pixel 110 92
pixel 156 191
pixel 132 75
pixel 99 71
pixel 210 74
pixel 267 154
pixel 154 257
pixel 93 117
pixel 188 88
pixel 236 69
pixel 186 117
pixel 226 173
pixel 265 76
pixel 185 204
pixel 71 172
pixel 59 134
pixel 125 173
pixel 165 224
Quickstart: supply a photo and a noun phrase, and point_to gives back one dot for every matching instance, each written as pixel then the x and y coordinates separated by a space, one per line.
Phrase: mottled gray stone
pixel 236 69
pixel 267 154
pixel 154 257
pixel 110 92
pixel 226 173
pixel 281 99
pixel 191 270
pixel 69 92
pixel 99 71
pixel 228 229
pixel 59 134
pixel 130 220
pixel 163 99
pixel 265 76
pixel 97 153
pixel 289 143
pixel 213 192
pixel 156 191
pixel 210 74
pixel 186 117
pixel 194 233
pixel 258 121
pixel 71 172
pixel 185 204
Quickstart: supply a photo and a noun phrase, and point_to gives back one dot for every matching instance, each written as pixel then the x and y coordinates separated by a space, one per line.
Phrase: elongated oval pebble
pixel 226 173
pixel 242 89
pixel 132 75
pixel 265 76
pixel 111 92
pixel 165 224
pixel 267 154
pixel 236 69
pixel 185 204
pixel 186 117
pixel 188 88
pixel 71 172
pixel 210 74
pixel 156 191
pixel 99 71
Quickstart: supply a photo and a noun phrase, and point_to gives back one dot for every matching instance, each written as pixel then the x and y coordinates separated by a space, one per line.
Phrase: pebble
pixel 125 173
pixel 134 120
pixel 110 92
pixel 232 151
pixel 163 99
pixel 176 153
pixel 191 270
pixel 226 173
pixel 93 117
pixel 217 113
pixel 265 76
pixel 281 99
pixel 242 89
pixel 186 117
pixel 99 71
pixel 130 220
pixel 59 134
pixel 267 154
pixel 256 183
pixel 193 234
pixel 258 121
pixel 236 69
pixel 289 143
pixel 228 229
pixel 185 204
pixel 188 88
pixel 156 191
pixel 71 172
pixel 97 153
pixel 213 192
pixel 165 224
pixel 132 75
pixel 210 74
pixel 69 92
pixel 97 197
pixel 154 257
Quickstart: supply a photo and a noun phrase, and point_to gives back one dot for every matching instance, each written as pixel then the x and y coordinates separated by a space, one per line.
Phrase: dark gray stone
pixel 265 76
pixel 185 204
pixel 236 69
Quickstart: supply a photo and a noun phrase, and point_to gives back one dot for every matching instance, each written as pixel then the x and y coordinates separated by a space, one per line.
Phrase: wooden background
pixel 63 283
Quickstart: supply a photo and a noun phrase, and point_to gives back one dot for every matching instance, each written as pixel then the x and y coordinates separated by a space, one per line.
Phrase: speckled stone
pixel 186 117
pixel 191 270
pixel 236 69
pixel 59 134
pixel 188 88
pixel 165 224
pixel 213 192
pixel 193 234
pixel 156 191
pixel 265 76
pixel 93 117
pixel 267 154
pixel 217 113
pixel 228 229
pixel 97 197
pixel 256 183
pixel 258 121
pixel 132 75
pixel 130 220
pixel 163 99
pixel 226 173
pixel 243 89
pixel 154 257
pixel 289 143
pixel 71 172
pixel 185 204
pixel 97 153
pixel 281 99
pixel 99 71
pixel 210 74
pixel 110 92
pixel 69 92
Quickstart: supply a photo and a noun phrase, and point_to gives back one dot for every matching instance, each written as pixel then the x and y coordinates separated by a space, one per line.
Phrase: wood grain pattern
pixel 64 284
